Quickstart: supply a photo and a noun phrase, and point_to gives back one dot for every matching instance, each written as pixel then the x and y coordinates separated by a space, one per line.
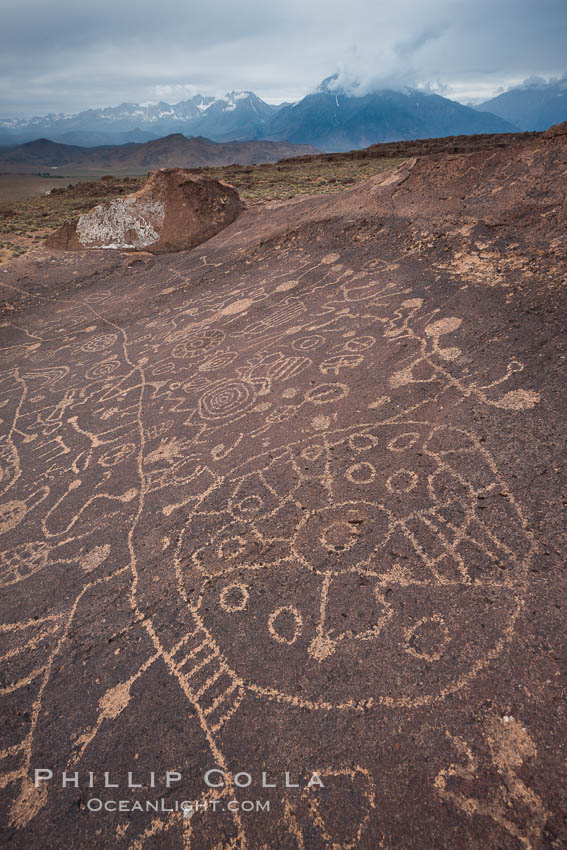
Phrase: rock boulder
pixel 174 211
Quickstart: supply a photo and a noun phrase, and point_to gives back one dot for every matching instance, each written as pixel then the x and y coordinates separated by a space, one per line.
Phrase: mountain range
pixel 535 105
pixel 331 118
pixel 335 120
pixel 171 151
pixel 236 117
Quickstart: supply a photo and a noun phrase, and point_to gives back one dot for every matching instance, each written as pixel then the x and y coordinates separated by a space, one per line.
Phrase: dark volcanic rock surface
pixel 291 501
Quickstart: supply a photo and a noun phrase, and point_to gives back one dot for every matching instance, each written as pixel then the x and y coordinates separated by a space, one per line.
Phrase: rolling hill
pixel 171 151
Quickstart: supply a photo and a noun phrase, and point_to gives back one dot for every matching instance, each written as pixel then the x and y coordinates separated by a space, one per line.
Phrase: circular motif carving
pixel 195 344
pixel 374 552
pixel 102 370
pixel 227 400
pixel 99 342
pixel 285 624
pixel 234 597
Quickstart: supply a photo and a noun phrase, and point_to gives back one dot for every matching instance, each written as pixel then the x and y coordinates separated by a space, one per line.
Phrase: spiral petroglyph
pixel 285 503
pixel 228 400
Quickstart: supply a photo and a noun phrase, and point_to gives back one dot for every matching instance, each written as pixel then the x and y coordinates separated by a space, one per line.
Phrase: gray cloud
pixel 72 55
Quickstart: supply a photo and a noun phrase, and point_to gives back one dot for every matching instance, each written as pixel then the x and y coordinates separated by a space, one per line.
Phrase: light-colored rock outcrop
pixel 174 211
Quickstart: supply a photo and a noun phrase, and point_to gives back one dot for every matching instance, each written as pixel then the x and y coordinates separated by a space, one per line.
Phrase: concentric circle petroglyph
pixel 195 344
pixel 363 576
pixel 102 370
pixel 308 343
pixel 99 343
pixel 226 401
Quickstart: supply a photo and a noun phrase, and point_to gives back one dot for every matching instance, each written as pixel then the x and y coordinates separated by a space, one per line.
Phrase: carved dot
pixel 285 624
pixel 403 442
pixel 402 481
pixel 443 326
pixel 290 392
pixel 286 285
pixel 361 473
pixel 320 423
pixel 234 598
pixel 328 259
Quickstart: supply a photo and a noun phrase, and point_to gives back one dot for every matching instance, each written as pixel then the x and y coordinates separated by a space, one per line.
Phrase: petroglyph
pixel 510 745
pixel 261 484
pixel 353 532
pixel 127 223
pixel 382 515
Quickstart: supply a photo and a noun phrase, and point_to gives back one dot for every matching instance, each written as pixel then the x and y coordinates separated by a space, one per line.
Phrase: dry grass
pixel 25 224
pixel 282 181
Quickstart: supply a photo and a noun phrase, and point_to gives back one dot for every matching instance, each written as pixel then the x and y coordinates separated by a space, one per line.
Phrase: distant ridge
pixel 330 118
pixel 535 105
pixel 174 151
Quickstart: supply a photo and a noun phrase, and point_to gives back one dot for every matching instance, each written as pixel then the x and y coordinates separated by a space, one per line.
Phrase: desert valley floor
pixel 291 502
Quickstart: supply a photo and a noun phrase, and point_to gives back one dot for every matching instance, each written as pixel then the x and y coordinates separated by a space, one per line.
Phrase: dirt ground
pixel 26 223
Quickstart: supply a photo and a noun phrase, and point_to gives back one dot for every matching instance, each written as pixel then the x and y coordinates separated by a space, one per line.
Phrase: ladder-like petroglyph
pixel 266 487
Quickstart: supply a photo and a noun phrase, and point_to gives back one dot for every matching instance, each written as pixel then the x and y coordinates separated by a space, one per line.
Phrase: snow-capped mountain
pixel 236 116
pixel 332 118
pixel 337 119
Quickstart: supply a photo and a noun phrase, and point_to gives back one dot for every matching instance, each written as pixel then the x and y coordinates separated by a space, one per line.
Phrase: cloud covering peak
pixel 72 55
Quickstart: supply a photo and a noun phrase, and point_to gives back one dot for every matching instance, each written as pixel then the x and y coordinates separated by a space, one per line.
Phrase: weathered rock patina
pixel 291 503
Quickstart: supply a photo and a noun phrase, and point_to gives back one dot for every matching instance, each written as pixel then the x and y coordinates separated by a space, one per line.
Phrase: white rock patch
pixel 124 223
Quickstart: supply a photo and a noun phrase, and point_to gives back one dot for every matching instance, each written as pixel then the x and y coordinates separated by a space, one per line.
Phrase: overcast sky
pixel 69 55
